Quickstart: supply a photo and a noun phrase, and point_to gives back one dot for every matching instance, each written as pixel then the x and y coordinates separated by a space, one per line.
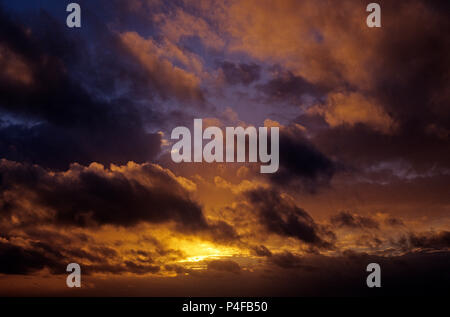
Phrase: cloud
pixel 222 232
pixel 430 240
pixel 347 219
pixel 240 73
pixel 53 116
pixel 34 200
pixel 368 125
pixel 393 221
pixel 93 195
pixel 261 250
pixel 141 269
pixel 360 147
pixel 325 46
pixel 286 260
pixel 353 108
pixel 383 90
pixel 14 67
pixel 170 80
pixel 20 260
pixel 301 163
pixel 181 24
pixel 319 48
pixel 285 86
pixel 224 265
pixel 281 216
pixel 53 146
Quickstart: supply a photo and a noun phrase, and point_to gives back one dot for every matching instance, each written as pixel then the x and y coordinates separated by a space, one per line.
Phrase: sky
pixel 86 174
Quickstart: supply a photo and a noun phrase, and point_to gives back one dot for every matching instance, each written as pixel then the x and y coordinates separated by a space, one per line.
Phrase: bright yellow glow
pixel 198 252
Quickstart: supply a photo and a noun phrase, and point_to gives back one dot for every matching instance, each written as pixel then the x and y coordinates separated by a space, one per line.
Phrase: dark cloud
pixel 420 54
pixel 222 232
pixel 28 251
pixel 20 260
pixel 83 256
pixel 347 219
pixel 60 116
pixel 286 260
pixel 56 254
pixel 86 196
pixel 141 269
pixel 56 237
pixel 431 240
pixel 179 269
pixel 415 273
pixel 370 241
pixel 361 147
pixel 55 147
pixel 285 86
pixel 261 250
pixel 301 163
pixel 224 265
pixel 393 221
pixel 124 267
pixel 283 217
pixel 408 70
pixel 93 196
pixel 240 73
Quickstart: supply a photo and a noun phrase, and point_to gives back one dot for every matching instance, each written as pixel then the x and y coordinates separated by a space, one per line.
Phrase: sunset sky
pixel 86 174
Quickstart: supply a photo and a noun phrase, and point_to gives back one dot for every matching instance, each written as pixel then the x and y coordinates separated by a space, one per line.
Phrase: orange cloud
pixel 353 108
pixel 309 38
pixel 181 24
pixel 168 78
pixel 14 67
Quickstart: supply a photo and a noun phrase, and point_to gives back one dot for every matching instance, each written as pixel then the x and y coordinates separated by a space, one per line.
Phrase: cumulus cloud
pixel 94 195
pixel 283 217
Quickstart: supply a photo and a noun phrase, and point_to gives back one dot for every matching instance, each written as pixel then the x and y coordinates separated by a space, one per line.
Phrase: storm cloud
pixel 282 217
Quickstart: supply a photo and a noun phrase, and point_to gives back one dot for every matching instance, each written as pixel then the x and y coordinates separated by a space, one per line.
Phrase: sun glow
pixel 199 252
